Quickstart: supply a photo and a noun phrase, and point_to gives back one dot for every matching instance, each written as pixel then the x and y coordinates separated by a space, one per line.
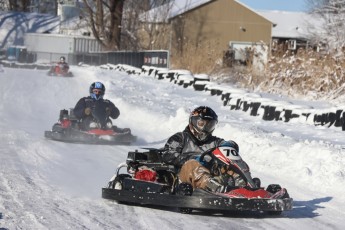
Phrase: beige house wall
pixel 207 30
pixel 220 22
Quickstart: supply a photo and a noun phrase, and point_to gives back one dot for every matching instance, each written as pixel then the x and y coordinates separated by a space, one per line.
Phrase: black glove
pixel 107 111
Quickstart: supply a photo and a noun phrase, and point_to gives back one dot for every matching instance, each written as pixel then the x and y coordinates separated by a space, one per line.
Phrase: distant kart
pixel 60 70
pixel 100 131
pixel 149 181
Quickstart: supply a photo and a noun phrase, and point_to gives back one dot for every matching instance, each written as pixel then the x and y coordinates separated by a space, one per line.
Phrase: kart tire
pixel 273 188
pixel 274 213
pixel 185 210
pixel 185 189
pixel 117 183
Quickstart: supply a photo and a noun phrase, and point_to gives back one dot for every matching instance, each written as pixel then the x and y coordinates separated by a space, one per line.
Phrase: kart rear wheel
pixel 274 213
pixel 185 189
pixel 185 210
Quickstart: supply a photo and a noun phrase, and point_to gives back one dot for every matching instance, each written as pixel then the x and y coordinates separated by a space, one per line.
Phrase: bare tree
pixel 120 24
pixel 104 18
pixel 130 24
pixel 332 14
pixel 40 6
pixel 142 26
pixel 4 5
pixel 46 6
pixel 19 5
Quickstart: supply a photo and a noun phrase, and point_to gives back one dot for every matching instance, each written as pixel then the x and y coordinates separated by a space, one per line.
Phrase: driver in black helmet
pixel 62 62
pixel 83 108
pixel 183 150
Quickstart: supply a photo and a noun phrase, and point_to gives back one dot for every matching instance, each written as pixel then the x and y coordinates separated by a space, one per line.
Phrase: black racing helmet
pixel 62 59
pixel 97 90
pixel 202 122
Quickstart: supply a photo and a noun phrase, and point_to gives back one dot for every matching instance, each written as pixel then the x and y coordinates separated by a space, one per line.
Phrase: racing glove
pixel 87 111
pixel 107 111
pixel 239 180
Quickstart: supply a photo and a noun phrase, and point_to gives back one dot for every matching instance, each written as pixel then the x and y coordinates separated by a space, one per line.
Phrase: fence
pixel 156 58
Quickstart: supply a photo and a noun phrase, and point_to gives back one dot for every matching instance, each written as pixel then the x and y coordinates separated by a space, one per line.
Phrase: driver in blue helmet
pixel 183 150
pixel 84 107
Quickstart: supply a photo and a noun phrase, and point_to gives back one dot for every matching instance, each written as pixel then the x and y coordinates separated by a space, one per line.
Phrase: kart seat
pixel 64 114
pixel 151 158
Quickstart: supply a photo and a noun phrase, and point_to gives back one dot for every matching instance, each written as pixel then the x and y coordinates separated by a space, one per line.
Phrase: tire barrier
pixel 238 99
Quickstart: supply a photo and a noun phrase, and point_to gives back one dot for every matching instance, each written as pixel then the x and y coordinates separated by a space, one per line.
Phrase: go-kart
pixel 149 181
pixel 98 129
pixel 59 69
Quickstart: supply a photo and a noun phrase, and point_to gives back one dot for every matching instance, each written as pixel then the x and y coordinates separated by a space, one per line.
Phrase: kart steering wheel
pixel 208 152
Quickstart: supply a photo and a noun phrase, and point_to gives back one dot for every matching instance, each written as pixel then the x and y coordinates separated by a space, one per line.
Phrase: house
pixel 225 25
pixel 291 30
pixel 207 24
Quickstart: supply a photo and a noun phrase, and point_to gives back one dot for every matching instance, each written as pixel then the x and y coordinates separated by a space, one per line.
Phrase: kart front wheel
pixel 117 183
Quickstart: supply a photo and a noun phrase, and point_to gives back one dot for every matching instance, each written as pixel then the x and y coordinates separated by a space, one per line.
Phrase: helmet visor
pixel 97 91
pixel 97 94
pixel 203 125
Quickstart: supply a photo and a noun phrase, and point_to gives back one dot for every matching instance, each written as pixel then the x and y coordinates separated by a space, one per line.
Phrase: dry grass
pixel 201 58
pixel 306 73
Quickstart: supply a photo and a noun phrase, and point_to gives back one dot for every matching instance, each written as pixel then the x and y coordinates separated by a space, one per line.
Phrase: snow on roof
pixel 175 8
pixel 290 24
pixel 170 10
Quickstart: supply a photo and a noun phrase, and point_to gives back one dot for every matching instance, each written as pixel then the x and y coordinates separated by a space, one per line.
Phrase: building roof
pixel 291 24
pixel 177 7
pixel 170 10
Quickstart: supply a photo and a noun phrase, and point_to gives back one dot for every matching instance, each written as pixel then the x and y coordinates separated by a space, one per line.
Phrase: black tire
pixel 185 210
pixel 273 188
pixel 185 189
pixel 117 183
pixel 257 182
pixel 274 213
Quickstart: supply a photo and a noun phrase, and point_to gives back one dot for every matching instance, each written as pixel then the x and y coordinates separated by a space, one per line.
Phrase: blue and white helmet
pixel 97 90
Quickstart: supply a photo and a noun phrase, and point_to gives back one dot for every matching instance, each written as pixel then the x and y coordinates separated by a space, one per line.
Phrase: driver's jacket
pixel 183 146
pixel 63 65
pixel 88 102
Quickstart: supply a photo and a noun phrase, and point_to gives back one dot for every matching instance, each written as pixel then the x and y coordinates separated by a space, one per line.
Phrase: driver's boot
pixel 215 186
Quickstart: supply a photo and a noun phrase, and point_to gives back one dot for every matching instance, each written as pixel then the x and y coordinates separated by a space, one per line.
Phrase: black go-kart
pixel 149 181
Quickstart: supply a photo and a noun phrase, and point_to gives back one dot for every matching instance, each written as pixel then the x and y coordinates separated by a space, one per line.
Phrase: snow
pixel 291 24
pixel 170 10
pixel 53 185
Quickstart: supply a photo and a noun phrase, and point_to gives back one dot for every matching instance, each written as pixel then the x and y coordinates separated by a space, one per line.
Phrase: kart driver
pixel 183 150
pixel 64 65
pixel 83 108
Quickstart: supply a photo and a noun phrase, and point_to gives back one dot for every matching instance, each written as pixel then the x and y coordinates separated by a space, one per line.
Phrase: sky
pixel 284 5
pixel 46 184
